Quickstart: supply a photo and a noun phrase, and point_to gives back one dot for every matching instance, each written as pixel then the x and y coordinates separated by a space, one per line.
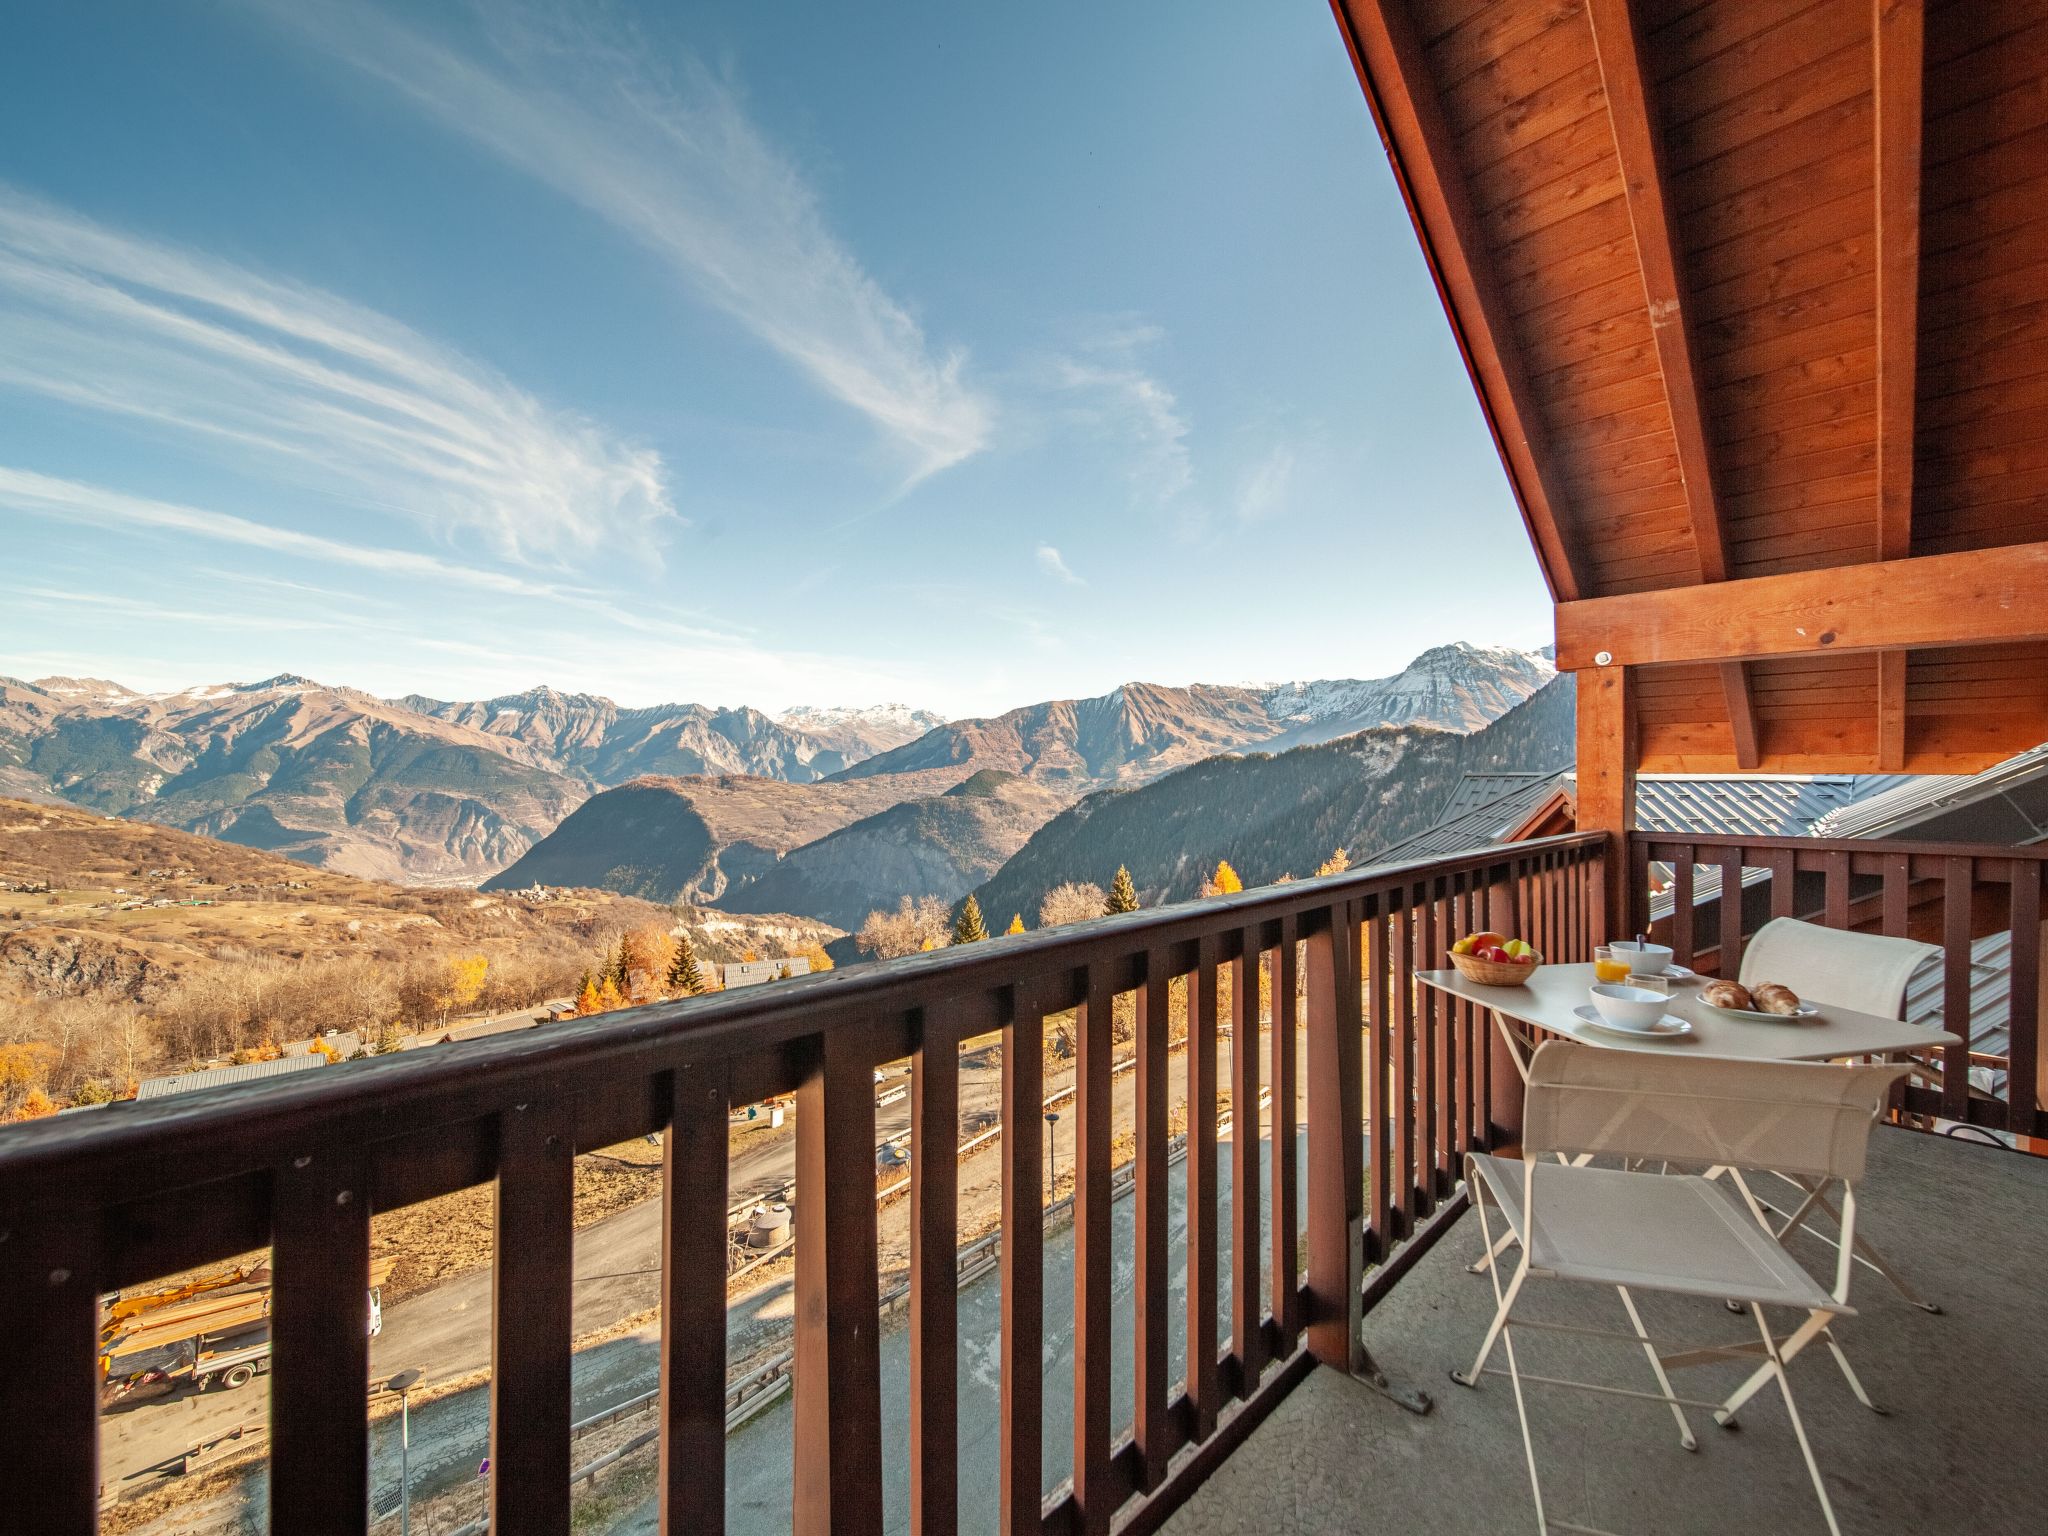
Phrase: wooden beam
pixel 1632 113
pixel 1606 799
pixel 1891 711
pixel 1741 714
pixel 1897 46
pixel 1972 597
pixel 1388 55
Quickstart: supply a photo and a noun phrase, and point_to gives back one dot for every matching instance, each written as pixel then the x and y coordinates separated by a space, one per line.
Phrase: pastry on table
pixel 1729 994
pixel 1774 997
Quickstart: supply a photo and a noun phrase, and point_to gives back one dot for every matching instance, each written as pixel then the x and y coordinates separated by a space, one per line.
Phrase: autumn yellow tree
pixel 1016 923
pixel 461 984
pixel 609 996
pixel 815 953
pixel 1223 882
pixel 1336 863
pixel 646 953
pixel 589 1000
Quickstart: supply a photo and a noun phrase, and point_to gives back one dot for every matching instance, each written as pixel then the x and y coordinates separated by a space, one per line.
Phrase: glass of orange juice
pixel 1608 966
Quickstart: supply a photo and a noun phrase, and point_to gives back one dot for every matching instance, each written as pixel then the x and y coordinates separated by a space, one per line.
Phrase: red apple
pixel 1494 953
pixel 1522 959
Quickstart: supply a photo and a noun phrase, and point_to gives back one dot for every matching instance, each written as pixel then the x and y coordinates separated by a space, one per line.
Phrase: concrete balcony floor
pixel 1961 1450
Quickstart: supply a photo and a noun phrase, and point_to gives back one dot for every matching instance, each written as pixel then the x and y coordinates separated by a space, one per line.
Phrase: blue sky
pixel 961 355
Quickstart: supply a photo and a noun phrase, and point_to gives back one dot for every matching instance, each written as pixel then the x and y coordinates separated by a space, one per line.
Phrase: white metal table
pixel 1544 1005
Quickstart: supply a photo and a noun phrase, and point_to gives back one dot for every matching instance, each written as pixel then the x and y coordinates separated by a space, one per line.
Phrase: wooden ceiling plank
pixel 1899 37
pixel 1407 109
pixel 1639 145
pixel 1970 597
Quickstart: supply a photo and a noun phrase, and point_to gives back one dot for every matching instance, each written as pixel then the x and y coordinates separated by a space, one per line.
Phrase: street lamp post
pixel 1052 1160
pixel 402 1384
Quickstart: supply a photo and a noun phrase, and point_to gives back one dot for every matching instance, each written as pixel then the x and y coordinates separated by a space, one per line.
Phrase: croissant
pixel 1773 997
pixel 1727 994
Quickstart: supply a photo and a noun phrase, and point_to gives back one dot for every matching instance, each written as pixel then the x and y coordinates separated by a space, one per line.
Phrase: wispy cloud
pixel 1264 489
pixel 322 390
pixel 1054 564
pixel 1111 393
pixel 671 158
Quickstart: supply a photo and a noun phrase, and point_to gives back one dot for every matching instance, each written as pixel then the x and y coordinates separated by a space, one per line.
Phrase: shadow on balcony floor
pixel 1960 1450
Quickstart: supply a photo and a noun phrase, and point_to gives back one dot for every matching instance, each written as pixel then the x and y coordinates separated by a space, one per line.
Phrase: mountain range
pixel 521 786
pixel 1277 814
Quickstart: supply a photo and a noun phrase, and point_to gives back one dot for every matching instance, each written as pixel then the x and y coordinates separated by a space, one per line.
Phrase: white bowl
pixel 1627 1007
pixel 1644 959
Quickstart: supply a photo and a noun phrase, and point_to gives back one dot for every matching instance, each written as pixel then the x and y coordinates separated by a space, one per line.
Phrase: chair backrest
pixel 1795 1117
pixel 1864 971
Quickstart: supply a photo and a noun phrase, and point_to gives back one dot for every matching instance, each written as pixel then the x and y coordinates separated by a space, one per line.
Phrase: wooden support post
pixel 838 1380
pixel 532 1270
pixel 694 1180
pixel 1607 786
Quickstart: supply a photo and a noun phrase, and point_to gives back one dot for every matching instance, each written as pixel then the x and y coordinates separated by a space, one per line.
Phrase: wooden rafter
pixel 1638 144
pixel 1388 56
pixel 1971 597
pixel 1639 147
pixel 1897 51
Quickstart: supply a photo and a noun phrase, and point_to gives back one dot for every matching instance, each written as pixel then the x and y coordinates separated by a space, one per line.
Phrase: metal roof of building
pixel 224 1077
pixel 2007 803
pixel 1478 826
pixel 1476 789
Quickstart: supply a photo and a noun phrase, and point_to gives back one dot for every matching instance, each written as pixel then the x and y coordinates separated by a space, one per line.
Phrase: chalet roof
pixel 224 1077
pixel 1750 296
pixel 1476 789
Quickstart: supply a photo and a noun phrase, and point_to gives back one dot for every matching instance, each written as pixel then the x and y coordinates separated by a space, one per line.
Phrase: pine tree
pixel 683 980
pixel 1016 923
pixel 587 1000
pixel 1123 896
pixel 970 929
pixel 615 969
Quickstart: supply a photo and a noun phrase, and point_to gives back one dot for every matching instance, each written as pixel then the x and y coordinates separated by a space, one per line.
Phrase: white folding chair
pixel 1683 1234
pixel 1864 971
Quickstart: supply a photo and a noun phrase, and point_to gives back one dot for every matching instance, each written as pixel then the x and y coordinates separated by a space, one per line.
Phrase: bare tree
pixel 1070 903
pixel 913 926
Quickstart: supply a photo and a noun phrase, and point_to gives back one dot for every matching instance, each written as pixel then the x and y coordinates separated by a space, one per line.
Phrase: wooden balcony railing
pixel 1399 1082
pixel 1941 893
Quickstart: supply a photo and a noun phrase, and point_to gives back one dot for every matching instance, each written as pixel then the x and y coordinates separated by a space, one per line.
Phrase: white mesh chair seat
pixel 1686 1235
pixel 1682 1234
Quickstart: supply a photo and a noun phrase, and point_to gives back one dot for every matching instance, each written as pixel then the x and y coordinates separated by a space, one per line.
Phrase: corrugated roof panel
pixel 224 1077
pixel 1909 802
pixel 1476 789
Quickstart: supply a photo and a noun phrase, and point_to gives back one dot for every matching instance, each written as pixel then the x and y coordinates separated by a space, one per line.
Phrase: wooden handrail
pixel 92 1203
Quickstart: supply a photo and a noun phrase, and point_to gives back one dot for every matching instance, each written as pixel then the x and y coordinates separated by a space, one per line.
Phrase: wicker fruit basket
pixel 1495 973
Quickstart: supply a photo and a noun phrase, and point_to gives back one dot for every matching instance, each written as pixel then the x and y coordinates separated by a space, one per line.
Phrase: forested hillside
pixel 1278 814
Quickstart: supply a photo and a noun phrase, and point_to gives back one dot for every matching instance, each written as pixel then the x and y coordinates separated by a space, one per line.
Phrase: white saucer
pixel 1670 1027
pixel 1681 973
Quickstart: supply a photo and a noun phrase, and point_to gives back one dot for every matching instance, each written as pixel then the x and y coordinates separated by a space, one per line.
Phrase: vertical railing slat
pixel 1682 941
pixel 1898 894
pixel 1958 877
pixel 1022 1261
pixel 1286 1260
pixel 1401 1080
pixel 1093 1271
pixel 837 1369
pixel 1378 1091
pixel 50 1387
pixel 1428 1028
pixel 1335 1188
pixel 1247 1338
pixel 1637 919
pixel 531 1270
pixel 1730 916
pixel 1202 1378
pixel 694 1200
pixel 1151 1425
pixel 2024 1064
pixel 1784 883
pixel 1837 889
pixel 934 1275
